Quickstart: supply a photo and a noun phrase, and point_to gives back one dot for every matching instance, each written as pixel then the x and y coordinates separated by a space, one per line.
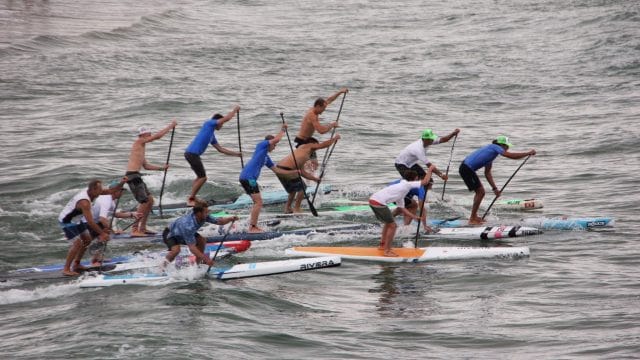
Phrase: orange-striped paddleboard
pixel 411 255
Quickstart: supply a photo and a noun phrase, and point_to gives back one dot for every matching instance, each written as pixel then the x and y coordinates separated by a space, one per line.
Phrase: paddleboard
pixel 570 223
pixel 242 201
pixel 411 254
pixel 484 232
pixel 136 260
pixel 267 235
pixel 227 273
pixel 519 204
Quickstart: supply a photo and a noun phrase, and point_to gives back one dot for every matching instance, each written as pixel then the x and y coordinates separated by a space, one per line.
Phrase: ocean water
pixel 561 77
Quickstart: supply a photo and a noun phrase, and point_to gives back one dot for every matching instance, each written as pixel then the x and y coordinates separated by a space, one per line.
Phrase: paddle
pixel 218 249
pixel 239 143
pixel 420 219
pixel 504 186
pixel 304 191
pixel 328 152
pixel 448 165
pixel 104 245
pixel 173 131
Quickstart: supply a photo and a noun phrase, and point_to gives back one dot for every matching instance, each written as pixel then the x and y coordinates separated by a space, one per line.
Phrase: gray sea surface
pixel 562 77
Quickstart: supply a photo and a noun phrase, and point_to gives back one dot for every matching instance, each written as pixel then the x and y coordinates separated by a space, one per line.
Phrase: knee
pixel 171 254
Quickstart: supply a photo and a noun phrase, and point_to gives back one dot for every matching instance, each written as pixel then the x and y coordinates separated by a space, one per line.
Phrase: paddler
pixel 396 193
pixel 251 172
pixel 137 160
pixel 103 210
pixel 184 231
pixel 76 219
pixel 483 157
pixel 311 120
pixel 199 145
pixel 416 152
pixel 293 183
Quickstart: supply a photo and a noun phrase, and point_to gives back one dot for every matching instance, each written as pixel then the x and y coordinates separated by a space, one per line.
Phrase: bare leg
pixel 197 184
pixel 477 199
pixel 287 206
pixel 145 209
pixel 71 255
pixel 84 241
pixel 299 197
pixel 171 254
pixel 255 212
pixel 389 235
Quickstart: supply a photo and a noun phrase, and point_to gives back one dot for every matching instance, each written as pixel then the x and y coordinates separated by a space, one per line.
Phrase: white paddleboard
pixel 484 232
pixel 411 254
pixel 234 272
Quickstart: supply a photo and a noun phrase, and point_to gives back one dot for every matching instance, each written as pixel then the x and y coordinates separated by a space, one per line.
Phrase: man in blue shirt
pixel 199 145
pixel 251 172
pixel 484 157
pixel 184 231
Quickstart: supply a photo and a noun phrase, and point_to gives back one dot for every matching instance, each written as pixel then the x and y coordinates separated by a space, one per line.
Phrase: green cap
pixel 429 135
pixel 503 140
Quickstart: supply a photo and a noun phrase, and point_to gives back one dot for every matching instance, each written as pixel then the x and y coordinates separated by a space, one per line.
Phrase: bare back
pixel 308 125
pixel 303 153
pixel 137 155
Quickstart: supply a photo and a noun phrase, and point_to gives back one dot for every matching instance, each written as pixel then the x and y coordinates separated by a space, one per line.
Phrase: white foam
pixel 15 296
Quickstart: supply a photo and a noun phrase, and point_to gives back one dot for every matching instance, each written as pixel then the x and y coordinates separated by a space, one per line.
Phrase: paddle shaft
pixel 304 191
pixel 421 212
pixel 504 186
pixel 328 152
pixel 219 246
pixel 239 142
pixel 444 186
pixel 104 245
pixel 164 178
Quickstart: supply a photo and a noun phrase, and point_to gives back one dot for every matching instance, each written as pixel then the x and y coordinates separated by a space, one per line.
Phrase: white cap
pixel 143 130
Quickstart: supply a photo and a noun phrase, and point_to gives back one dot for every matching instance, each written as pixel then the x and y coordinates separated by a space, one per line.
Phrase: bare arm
pixel 489 176
pixel 225 150
pixel 161 133
pixel 229 116
pixel 444 139
pixel 199 255
pixel 331 98
pixel 85 206
pixel 518 155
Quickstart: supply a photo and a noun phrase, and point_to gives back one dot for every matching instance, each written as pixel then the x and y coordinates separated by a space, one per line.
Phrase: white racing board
pixel 484 232
pixel 411 254
pixel 234 272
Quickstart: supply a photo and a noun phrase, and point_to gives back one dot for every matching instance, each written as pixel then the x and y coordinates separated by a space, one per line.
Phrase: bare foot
pixel 255 229
pixel 77 267
pixel 136 233
pixel 288 211
pixel 476 221
pixel 390 253
pixel 69 273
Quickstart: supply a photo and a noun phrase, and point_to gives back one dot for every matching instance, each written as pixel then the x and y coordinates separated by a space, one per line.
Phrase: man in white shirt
pixel 416 152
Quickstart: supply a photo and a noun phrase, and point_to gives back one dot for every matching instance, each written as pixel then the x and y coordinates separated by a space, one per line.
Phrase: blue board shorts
pixel 72 230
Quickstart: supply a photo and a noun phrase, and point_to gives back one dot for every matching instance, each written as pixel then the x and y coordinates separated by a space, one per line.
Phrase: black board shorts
pixel 470 177
pixel 250 186
pixel 195 162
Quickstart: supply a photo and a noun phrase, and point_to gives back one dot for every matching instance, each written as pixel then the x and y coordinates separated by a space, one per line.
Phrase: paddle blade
pixel 312 208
